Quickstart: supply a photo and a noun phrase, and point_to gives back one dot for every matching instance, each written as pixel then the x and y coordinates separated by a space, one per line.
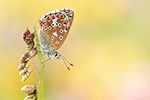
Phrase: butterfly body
pixel 54 28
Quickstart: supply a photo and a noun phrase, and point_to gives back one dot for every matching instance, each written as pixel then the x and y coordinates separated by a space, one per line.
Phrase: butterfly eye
pixel 56 55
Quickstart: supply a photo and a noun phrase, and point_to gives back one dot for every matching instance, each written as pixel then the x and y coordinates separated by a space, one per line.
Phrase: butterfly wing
pixel 54 28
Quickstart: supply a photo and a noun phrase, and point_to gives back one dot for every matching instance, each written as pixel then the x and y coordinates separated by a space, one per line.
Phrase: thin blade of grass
pixel 40 92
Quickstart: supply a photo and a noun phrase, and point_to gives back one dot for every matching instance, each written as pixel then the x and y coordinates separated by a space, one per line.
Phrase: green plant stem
pixel 40 92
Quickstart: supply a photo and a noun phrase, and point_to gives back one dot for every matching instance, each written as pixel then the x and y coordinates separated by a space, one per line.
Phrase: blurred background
pixel 109 45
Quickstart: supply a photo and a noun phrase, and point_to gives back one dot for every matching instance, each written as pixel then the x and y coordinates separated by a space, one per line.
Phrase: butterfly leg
pixel 48 58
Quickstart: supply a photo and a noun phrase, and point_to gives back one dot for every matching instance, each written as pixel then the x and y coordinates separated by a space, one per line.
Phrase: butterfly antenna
pixel 66 60
pixel 65 63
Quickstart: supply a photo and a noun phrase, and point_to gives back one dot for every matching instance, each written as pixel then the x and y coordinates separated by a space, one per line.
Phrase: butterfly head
pixel 56 55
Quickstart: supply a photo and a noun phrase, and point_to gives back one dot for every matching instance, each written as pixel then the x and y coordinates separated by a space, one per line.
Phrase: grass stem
pixel 41 82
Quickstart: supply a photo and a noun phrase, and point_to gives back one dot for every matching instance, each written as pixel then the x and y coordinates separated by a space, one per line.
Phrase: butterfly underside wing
pixel 54 28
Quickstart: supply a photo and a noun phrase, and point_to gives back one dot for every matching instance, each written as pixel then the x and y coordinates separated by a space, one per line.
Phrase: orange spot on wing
pixel 53 17
pixel 57 16
pixel 42 23
pixel 48 18
pixel 61 17
pixel 66 28
pixel 65 22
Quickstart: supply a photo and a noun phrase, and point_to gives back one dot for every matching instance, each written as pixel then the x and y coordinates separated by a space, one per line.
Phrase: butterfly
pixel 54 28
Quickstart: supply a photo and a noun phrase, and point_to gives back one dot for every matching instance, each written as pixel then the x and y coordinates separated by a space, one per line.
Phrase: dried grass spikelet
pixel 31 52
pixel 26 75
pixel 31 92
